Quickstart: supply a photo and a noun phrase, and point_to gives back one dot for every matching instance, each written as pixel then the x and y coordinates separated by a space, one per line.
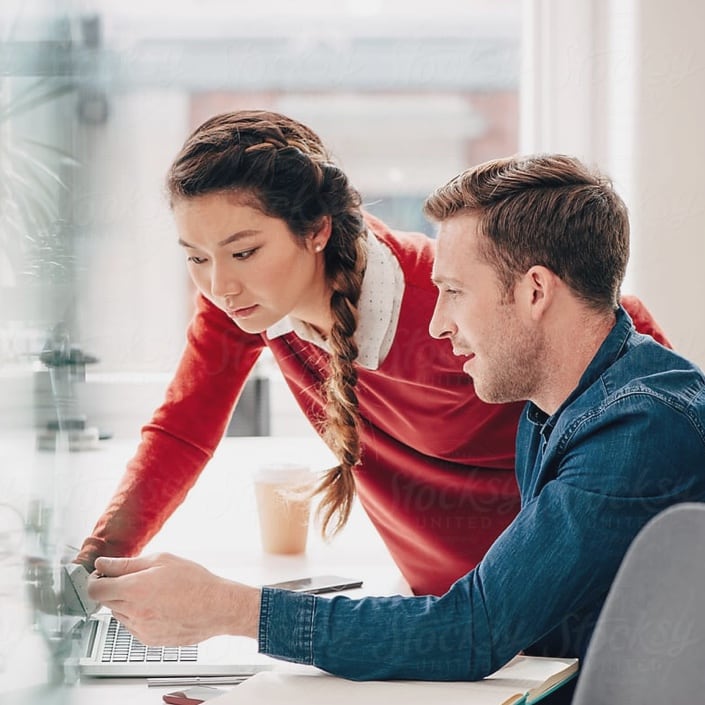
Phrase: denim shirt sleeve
pixel 546 576
pixel 372 638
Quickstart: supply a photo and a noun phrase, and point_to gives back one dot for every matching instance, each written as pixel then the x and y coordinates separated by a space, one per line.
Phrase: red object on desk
pixel 191 696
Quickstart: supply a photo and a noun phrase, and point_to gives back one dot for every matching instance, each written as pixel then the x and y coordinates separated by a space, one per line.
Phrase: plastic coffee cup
pixel 283 506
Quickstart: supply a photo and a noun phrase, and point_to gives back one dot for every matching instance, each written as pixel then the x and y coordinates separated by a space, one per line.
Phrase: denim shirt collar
pixel 610 350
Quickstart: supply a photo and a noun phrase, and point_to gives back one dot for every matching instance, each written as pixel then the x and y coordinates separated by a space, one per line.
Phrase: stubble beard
pixel 515 369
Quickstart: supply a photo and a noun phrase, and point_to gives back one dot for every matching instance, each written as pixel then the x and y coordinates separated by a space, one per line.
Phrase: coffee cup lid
pixel 283 472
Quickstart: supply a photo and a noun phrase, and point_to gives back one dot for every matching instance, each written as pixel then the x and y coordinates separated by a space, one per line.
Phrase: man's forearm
pixel 377 638
pixel 239 606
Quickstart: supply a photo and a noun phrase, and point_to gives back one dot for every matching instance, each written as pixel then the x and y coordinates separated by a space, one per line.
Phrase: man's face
pixel 501 349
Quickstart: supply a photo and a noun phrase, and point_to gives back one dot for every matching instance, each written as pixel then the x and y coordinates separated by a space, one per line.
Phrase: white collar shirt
pixel 378 309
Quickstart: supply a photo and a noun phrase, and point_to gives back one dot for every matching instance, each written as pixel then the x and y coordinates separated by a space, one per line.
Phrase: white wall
pixel 669 195
pixel 620 83
pixel 136 303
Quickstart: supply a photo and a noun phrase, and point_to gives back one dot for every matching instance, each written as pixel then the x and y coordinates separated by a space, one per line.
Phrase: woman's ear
pixel 318 239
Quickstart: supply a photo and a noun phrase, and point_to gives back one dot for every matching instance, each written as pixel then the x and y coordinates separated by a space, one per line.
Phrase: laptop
pixel 107 650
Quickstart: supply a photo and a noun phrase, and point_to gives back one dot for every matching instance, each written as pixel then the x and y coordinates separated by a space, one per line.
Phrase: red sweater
pixel 436 476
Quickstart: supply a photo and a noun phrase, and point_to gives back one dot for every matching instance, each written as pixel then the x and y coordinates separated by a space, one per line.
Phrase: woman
pixel 283 257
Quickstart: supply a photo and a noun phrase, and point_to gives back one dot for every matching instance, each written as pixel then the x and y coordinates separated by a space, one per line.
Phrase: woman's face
pixel 251 265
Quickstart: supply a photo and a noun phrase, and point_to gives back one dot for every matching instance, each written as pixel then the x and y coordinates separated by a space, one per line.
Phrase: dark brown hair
pixel 283 166
pixel 548 210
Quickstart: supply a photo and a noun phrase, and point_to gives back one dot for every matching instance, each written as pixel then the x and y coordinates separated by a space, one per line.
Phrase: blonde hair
pixel 549 210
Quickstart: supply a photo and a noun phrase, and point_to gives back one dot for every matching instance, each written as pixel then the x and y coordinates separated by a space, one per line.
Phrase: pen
pixel 198 680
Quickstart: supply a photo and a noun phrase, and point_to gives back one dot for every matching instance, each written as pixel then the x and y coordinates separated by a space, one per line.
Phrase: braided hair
pixel 283 167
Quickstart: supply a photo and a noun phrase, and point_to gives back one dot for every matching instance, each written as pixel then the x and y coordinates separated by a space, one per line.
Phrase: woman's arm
pixel 181 436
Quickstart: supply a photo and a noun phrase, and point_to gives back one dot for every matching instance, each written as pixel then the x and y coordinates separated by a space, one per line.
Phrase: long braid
pixel 342 433
pixel 286 171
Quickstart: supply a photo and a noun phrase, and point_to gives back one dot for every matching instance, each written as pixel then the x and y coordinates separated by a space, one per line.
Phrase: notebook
pixel 525 680
pixel 106 649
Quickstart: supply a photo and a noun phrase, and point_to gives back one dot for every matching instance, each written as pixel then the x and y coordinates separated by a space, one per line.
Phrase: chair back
pixel 649 642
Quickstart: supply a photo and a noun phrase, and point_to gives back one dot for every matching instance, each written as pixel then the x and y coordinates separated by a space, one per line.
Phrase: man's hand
pixel 166 600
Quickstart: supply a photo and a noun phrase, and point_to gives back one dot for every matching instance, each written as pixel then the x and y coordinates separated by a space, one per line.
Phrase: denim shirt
pixel 626 444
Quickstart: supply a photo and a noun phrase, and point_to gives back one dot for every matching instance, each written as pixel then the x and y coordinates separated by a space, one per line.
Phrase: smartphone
pixel 318 584
pixel 192 696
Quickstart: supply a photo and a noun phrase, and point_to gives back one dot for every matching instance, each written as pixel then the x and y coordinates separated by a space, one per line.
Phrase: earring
pixel 317 248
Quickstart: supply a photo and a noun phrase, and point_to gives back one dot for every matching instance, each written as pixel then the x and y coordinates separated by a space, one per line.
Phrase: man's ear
pixel 536 291
pixel 319 236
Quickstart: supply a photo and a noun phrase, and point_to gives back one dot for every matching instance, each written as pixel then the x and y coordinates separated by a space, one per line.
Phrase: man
pixel 530 256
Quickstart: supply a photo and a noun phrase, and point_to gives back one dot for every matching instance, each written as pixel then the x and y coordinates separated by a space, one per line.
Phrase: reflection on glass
pixel 95 99
pixel 37 280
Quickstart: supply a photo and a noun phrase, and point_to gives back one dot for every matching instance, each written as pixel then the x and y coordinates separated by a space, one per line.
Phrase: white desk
pixel 219 512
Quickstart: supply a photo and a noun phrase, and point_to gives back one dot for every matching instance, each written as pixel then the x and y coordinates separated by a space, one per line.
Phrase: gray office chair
pixel 649 642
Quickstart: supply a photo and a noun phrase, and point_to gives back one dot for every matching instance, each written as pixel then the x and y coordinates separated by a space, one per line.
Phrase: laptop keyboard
pixel 121 647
